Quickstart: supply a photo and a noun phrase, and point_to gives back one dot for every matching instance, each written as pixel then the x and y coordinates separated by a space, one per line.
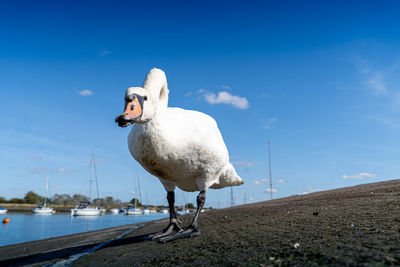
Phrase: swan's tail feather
pixel 228 177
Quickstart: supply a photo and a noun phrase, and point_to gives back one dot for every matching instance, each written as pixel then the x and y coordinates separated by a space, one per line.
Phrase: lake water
pixel 25 227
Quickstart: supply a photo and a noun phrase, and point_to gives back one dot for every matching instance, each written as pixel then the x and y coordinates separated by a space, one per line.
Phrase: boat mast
pixel 138 187
pixel 91 177
pixel 137 182
pixel 270 173
pixel 95 176
pixel 47 191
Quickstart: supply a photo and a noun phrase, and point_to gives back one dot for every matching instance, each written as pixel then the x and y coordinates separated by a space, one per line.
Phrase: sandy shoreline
pixel 350 226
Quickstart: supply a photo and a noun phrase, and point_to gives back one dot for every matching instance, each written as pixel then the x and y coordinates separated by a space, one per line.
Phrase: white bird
pixel 182 148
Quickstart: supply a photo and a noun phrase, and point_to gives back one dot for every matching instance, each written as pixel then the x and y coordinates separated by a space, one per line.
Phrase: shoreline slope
pixel 357 225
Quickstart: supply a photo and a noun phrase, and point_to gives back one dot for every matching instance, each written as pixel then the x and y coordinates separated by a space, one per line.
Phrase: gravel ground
pixel 355 226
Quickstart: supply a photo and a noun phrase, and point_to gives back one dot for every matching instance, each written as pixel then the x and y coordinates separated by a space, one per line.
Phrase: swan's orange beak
pixel 133 111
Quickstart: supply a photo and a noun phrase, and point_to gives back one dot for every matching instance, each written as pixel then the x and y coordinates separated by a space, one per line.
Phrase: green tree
pixel 32 198
pixel 98 201
pixel 138 202
pixel 63 199
pixel 16 200
pixel 77 197
pixel 190 206
pixel 3 200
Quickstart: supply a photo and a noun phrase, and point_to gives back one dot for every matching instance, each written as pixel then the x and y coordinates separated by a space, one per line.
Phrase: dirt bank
pixel 351 226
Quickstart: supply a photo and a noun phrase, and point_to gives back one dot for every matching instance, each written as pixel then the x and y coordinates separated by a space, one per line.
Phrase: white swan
pixel 182 148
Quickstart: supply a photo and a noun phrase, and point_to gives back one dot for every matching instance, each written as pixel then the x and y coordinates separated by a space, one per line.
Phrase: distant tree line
pixel 68 200
pixel 62 199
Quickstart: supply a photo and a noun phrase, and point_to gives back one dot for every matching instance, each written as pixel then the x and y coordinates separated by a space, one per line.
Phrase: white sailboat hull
pixel 146 211
pixel 114 211
pixel 85 212
pixel 133 212
pixel 3 211
pixel 43 210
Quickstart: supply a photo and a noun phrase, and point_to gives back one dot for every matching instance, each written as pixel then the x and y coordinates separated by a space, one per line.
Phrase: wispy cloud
pixel 270 124
pixel 390 122
pixel 105 52
pixel 224 97
pixel 33 157
pixel 39 170
pixel 62 170
pixel 85 92
pixel 311 189
pixel 243 163
pixel 377 83
pixel 261 180
pixel 187 94
pixel 360 176
pixel 280 181
pixel 269 190
pixel 375 80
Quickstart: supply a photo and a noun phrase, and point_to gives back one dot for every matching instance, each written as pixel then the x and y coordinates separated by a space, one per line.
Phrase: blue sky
pixel 318 79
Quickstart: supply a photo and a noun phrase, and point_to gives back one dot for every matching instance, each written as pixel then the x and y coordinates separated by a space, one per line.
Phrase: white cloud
pixel 105 52
pixel 85 92
pixel 268 190
pixel 243 163
pixel 260 181
pixel 271 122
pixel 310 189
pixel 392 123
pixel 33 157
pixel 190 93
pixel 280 181
pixel 377 83
pixel 38 170
pixel 224 97
pixel 62 170
pixel 360 176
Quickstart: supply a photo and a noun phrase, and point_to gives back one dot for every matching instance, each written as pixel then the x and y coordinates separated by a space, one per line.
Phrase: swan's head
pixel 142 104
pixel 138 107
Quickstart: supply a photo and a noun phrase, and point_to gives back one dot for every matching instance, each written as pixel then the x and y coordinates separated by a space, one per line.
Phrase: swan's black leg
pixel 173 220
pixel 192 229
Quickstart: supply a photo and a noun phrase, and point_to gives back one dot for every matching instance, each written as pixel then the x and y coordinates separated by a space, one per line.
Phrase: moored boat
pixel 114 211
pixel 43 209
pixel 132 210
pixel 84 209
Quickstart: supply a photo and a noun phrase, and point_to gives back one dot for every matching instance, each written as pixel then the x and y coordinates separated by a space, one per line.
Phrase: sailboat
pixel 84 208
pixel 134 210
pixel 42 208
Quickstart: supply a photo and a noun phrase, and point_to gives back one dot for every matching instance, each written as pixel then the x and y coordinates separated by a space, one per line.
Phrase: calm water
pixel 25 227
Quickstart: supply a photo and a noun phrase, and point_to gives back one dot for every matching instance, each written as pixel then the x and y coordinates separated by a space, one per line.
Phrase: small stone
pixel 352 225
pixel 315 213
pixel 296 245
pixel 225 217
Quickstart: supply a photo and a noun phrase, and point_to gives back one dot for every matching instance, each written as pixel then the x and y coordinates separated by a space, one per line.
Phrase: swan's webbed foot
pixel 173 226
pixel 183 233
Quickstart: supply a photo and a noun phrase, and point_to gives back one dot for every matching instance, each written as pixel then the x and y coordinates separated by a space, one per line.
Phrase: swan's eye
pixel 132 106
pixel 145 97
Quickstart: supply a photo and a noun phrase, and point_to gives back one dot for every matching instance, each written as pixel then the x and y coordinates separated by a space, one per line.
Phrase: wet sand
pixel 351 226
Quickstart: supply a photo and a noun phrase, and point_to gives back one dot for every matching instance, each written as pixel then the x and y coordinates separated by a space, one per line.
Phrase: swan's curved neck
pixel 156 84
